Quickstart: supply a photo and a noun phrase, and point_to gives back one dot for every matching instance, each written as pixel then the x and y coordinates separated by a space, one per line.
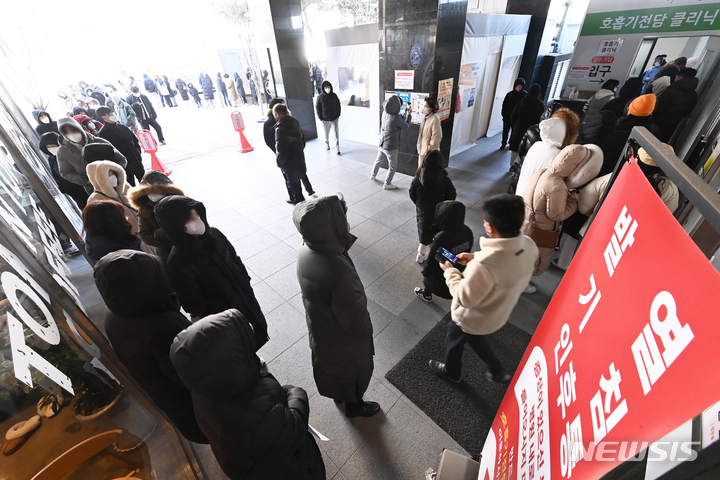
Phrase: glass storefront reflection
pixel 66 408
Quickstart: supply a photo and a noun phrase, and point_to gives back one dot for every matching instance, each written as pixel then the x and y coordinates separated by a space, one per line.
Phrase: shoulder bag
pixel 542 238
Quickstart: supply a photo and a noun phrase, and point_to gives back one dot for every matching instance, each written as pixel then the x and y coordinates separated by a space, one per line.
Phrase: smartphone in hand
pixel 446 254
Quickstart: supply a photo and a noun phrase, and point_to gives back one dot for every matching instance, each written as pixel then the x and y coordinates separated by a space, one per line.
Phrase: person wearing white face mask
pixel 145 112
pixel 153 187
pixel 71 165
pixel 430 130
pixel 203 268
pixel 122 138
pixel 45 123
pixel 108 181
pixel 328 111
pixel 125 113
pixel 49 145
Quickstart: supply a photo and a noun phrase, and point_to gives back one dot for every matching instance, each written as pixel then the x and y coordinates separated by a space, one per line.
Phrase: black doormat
pixel 467 409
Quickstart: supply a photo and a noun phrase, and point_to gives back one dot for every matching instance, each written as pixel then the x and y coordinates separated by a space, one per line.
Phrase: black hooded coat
pixel 526 113
pixel 328 104
pixel 453 235
pixel 677 102
pixel 141 331
pixel 511 99
pixel 341 333
pixel 239 86
pixel 204 270
pixel 290 144
pixel 427 190
pixel 43 128
pixel 258 430
pixel 182 88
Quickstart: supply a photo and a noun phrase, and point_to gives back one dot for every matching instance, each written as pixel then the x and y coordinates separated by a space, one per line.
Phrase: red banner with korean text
pixel 626 352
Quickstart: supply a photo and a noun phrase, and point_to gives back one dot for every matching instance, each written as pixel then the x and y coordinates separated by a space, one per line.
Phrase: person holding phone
pixel 453 239
pixel 485 293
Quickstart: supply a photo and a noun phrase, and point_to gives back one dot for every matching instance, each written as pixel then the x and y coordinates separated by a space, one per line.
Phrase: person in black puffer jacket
pixel 511 99
pixel 339 325
pixel 203 268
pixel 257 429
pixel 328 111
pixel 430 186
pixel 525 114
pixel 455 237
pixel 601 132
pixel 677 102
pixel 141 331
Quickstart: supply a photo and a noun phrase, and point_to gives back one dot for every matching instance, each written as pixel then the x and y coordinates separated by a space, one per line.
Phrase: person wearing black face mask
pixel 204 270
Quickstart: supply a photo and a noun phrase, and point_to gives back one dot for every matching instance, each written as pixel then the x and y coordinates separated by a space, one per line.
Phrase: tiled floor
pixel 245 198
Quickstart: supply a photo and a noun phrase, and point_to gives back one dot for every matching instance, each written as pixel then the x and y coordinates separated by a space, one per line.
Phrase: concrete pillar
pixel 539 11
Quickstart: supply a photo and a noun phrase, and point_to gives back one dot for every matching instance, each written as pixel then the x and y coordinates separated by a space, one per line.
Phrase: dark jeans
pixel 134 169
pixel 293 182
pixel 507 125
pixel 225 99
pixel 455 344
pixel 146 124
pixel 167 100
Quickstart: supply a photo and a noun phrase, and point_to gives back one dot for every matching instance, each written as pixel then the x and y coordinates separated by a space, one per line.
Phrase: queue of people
pixel 154 244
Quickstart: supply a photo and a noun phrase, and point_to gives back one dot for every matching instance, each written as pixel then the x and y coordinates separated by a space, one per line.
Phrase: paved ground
pixel 245 198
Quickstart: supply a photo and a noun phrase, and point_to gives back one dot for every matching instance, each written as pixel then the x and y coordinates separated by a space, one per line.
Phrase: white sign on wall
pixel 578 73
pixel 404 79
pixel 610 46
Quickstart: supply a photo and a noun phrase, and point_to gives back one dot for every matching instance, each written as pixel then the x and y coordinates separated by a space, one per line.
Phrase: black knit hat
pixel 94 152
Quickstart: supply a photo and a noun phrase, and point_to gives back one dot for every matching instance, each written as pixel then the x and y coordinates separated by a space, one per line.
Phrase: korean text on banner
pixel 624 352
pixel 684 18
pixel 444 99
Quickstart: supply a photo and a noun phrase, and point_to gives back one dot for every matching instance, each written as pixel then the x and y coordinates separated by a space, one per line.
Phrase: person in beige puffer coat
pixel 548 195
pixel 430 130
pixel 108 180
pixel 231 90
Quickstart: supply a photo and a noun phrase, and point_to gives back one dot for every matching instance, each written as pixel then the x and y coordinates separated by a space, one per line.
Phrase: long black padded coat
pixel 258 430
pixel 453 235
pixel 341 333
pixel 141 322
pixel 427 190
pixel 526 114
pixel 204 270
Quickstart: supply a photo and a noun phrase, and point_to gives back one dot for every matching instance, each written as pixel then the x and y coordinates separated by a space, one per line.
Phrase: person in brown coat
pixel 548 195
pixel 153 187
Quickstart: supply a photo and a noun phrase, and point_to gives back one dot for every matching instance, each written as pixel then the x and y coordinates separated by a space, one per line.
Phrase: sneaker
pixel 291 201
pixel 530 288
pixel 389 186
pixel 502 147
pixel 327 146
pixel 162 142
pixel 421 257
pixel 372 177
pixel 421 295
pixel 504 378
pixel 310 194
pixel 339 152
pixel 368 409
pixel 439 369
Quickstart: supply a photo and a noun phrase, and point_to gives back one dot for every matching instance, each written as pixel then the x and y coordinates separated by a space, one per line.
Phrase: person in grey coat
pixel 206 84
pixel 340 330
pixel 71 164
pixel 392 125
pixel 240 88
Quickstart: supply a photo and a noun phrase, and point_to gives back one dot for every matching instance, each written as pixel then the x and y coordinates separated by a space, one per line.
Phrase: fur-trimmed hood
pixel 152 183
pixel 98 172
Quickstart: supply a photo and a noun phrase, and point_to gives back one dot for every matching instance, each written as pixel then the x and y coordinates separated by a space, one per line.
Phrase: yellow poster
pixel 445 88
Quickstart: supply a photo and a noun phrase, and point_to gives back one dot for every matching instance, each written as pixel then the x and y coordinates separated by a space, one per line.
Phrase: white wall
pixel 357 123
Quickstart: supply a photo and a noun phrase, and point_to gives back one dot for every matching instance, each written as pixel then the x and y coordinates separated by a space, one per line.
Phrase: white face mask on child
pixel 156 197
pixel 196 227
pixel 113 181
pixel 74 137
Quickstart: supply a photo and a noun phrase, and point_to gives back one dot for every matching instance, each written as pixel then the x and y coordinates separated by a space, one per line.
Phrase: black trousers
pixel 455 344
pixel 134 169
pixel 304 180
pixel 151 122
pixel 507 125
pixel 293 182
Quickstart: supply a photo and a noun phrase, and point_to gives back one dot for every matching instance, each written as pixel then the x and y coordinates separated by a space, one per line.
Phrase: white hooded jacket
pixel 542 153
pixel 98 174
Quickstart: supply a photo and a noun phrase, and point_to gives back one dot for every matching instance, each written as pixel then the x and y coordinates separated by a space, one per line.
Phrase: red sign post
pixel 239 126
pixel 626 352
pixel 148 144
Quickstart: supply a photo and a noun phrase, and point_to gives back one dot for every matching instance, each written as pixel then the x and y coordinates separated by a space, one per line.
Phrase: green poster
pixel 688 18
